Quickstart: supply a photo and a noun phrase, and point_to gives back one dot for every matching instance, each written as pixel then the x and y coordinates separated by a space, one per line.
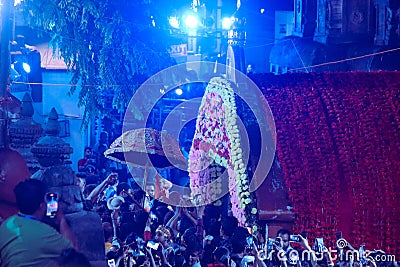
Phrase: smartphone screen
pixel 51 204
pixel 270 244
pixel 320 244
pixel 294 238
pixel 111 263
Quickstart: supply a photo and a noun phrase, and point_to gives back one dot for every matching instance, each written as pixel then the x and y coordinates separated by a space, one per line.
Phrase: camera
pixel 278 241
pixel 51 205
pixel 294 238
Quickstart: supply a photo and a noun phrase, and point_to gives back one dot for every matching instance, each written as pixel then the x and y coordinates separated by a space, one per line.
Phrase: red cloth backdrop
pixel 338 142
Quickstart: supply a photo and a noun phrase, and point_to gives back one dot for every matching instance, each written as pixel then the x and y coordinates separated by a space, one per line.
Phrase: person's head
pixel 163 234
pixel 122 188
pixel 189 237
pixel 81 182
pixel 72 258
pixel 221 255
pixel 284 235
pixel 238 240
pixel 184 223
pixel 212 226
pixel 150 189
pixel 103 137
pixel 229 225
pixel 88 152
pixel 192 255
pixel 30 196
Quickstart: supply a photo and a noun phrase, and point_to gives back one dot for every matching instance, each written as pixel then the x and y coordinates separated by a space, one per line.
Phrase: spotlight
pixel 191 21
pixel 21 67
pixel 173 21
pixel 226 23
pixel 262 10
pixel 179 91
pixel 26 67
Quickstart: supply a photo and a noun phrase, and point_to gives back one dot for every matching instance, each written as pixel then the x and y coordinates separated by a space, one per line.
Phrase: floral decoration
pixel 338 140
pixel 217 143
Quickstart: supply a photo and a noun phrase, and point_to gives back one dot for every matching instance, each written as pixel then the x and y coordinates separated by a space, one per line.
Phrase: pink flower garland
pixel 217 141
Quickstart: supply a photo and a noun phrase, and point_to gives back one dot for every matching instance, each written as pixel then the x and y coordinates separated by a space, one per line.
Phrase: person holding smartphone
pixel 25 239
pixel 283 251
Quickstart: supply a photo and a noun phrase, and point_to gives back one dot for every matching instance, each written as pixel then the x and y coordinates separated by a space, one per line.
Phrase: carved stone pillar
pixel 53 155
pixel 25 132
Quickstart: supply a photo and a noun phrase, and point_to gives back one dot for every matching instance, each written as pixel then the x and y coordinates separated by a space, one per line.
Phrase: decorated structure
pixel 217 145
pixel 53 155
pixel 25 132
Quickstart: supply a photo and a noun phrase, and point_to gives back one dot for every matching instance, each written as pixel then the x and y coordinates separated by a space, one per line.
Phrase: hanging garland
pixel 338 135
pixel 217 141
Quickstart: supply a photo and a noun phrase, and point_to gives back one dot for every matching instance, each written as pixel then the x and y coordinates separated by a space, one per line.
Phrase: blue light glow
pixel 191 21
pixel 173 21
pixel 226 23
pixel 26 67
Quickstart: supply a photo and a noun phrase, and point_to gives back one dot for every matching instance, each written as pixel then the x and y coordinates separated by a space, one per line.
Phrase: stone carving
pixel 25 132
pixel 53 155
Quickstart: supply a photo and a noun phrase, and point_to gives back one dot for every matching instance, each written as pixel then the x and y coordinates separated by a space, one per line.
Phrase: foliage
pixel 109 46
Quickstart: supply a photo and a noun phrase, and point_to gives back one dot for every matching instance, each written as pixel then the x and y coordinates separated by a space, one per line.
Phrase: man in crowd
pixel 25 240
pixel 103 164
pixel 87 166
pixel 286 255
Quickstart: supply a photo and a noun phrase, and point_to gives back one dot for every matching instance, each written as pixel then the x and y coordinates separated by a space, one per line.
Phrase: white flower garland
pixel 211 125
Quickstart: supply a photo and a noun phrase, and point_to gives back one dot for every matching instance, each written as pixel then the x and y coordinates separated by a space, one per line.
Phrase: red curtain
pixel 338 142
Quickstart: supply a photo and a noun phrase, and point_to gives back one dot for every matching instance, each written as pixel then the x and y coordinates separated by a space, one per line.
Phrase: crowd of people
pixel 209 236
pixel 140 229
pixel 157 236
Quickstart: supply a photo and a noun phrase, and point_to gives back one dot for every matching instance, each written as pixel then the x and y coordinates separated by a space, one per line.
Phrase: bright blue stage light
pixel 26 67
pixel 226 23
pixel 191 21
